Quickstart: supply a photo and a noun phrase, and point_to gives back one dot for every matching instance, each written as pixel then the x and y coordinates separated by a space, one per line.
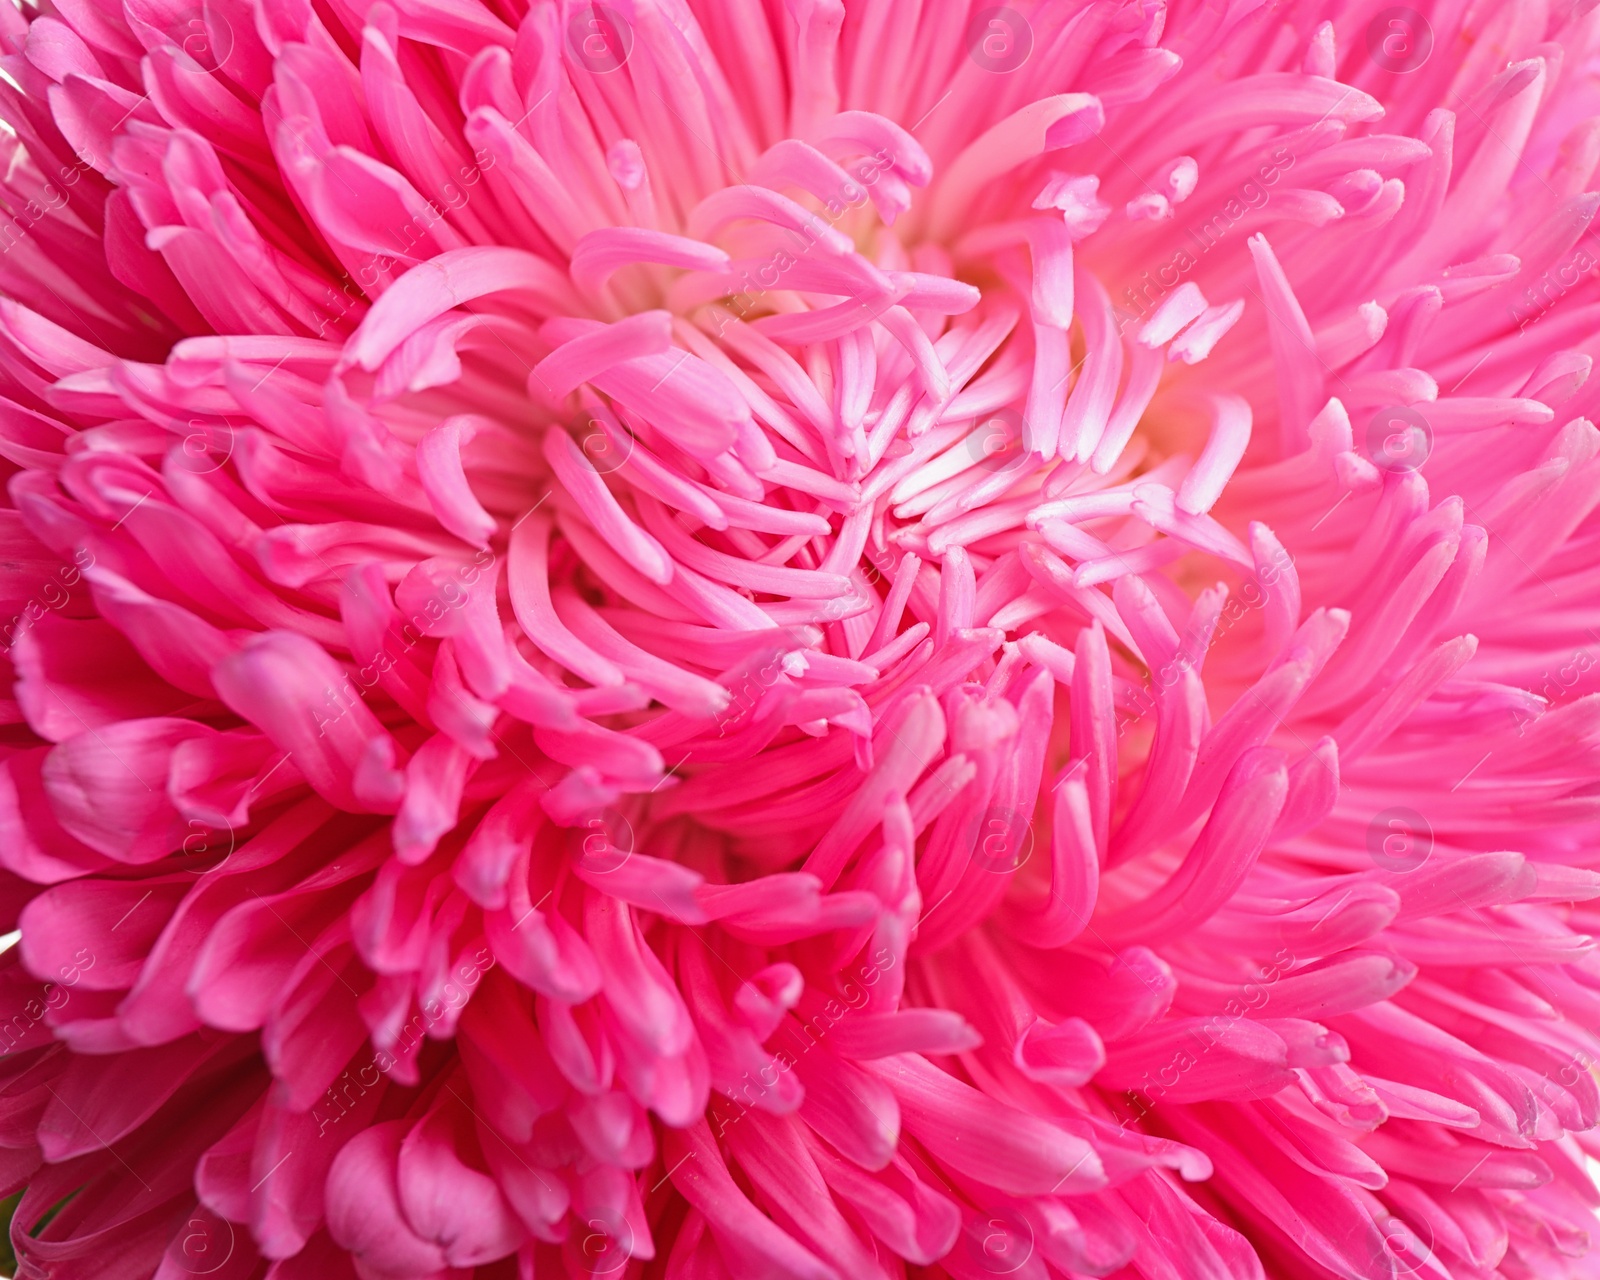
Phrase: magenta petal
pixel 364 1214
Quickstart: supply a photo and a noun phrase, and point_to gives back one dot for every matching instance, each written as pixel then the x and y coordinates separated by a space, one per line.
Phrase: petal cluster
pixel 704 640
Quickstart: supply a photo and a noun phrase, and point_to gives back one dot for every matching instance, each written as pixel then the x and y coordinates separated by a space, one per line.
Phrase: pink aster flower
pixel 722 640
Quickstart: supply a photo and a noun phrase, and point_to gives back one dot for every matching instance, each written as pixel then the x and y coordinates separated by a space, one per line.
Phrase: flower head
pixel 725 640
